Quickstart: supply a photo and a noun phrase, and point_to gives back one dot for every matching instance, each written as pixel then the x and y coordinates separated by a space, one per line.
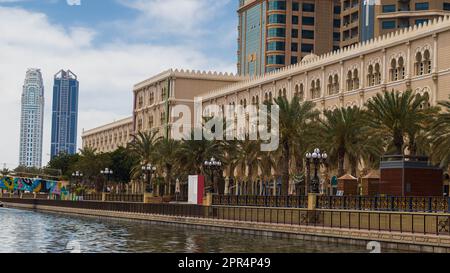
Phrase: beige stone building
pixel 155 97
pixel 109 137
pixel 417 57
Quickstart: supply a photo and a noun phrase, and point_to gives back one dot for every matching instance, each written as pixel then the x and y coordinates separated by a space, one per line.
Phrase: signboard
pixel 196 189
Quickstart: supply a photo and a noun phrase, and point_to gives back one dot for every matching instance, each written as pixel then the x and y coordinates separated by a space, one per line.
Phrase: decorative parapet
pixel 190 74
pixel 413 32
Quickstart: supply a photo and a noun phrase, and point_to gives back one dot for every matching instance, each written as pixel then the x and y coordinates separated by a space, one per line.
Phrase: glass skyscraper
pixel 64 113
pixel 32 120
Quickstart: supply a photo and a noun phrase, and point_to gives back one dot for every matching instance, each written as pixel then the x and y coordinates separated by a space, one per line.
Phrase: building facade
pixel 156 97
pixel 416 58
pixel 32 120
pixel 363 20
pixel 109 137
pixel 273 34
pixel 64 113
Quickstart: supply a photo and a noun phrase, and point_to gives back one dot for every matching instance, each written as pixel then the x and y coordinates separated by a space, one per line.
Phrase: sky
pixel 110 45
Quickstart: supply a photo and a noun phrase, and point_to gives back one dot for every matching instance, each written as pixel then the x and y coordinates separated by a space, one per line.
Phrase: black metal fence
pixel 403 222
pixel 162 209
pixel 261 201
pixel 392 203
pixel 422 223
pixel 406 204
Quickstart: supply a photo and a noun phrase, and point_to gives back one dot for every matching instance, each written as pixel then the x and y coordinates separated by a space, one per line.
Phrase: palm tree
pixel 247 161
pixel 396 116
pixel 293 117
pixel 142 147
pixel 194 152
pixel 440 133
pixel 168 151
pixel 345 135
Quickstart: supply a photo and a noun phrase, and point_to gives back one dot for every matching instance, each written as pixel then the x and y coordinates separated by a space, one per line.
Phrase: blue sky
pixel 110 45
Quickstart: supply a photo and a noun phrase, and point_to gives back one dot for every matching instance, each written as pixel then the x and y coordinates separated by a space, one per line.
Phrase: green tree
pixel 142 147
pixel 122 163
pixel 344 134
pixel 396 116
pixel 168 151
pixel 293 117
pixel 64 162
pixel 440 134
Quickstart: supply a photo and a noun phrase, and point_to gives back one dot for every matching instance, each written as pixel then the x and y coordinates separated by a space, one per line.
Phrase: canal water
pixel 23 231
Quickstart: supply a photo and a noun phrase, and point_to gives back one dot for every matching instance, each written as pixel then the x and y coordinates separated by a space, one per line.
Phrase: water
pixel 25 231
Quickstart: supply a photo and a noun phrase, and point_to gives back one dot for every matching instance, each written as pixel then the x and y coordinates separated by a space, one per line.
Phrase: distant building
pixel 32 120
pixel 109 137
pixel 64 113
pixel 363 20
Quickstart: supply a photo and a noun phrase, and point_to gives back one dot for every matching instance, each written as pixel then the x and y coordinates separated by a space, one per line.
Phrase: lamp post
pixel 107 172
pixel 78 176
pixel 212 165
pixel 317 158
pixel 149 170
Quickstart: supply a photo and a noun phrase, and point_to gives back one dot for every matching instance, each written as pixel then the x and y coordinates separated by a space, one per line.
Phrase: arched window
pixel 370 76
pixel 349 81
pixel 355 79
pixel 336 84
pixel 315 89
pixel 284 93
pixel 377 74
pixel 401 68
pixel 393 70
pixel 296 91
pixel 419 64
pixel 427 61
pixel 279 93
pixel 330 85
pixel 302 93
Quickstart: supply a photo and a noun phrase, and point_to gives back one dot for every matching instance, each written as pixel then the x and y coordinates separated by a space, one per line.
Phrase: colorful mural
pixel 37 185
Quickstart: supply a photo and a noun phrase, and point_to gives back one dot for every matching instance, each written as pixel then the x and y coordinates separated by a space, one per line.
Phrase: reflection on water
pixel 28 231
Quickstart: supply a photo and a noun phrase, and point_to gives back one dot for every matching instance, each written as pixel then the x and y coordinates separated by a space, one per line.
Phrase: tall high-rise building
pixel 365 19
pixel 274 33
pixel 32 120
pixel 277 33
pixel 65 113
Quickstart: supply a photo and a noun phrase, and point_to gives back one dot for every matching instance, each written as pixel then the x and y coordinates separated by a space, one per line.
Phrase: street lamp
pixel 149 170
pixel 107 172
pixel 317 158
pixel 212 165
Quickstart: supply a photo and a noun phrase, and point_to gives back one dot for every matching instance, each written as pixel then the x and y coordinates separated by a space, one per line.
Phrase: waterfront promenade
pixel 398 230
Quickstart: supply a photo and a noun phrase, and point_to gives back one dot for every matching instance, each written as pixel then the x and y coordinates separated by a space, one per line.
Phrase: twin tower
pixel 64 116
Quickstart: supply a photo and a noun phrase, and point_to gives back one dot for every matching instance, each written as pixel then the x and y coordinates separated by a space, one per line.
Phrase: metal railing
pixel 393 203
pixel 421 223
pixel 261 201
pixel 162 209
pixel 402 222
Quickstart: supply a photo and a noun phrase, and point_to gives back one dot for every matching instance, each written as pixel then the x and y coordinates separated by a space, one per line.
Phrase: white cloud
pixel 186 18
pixel 106 73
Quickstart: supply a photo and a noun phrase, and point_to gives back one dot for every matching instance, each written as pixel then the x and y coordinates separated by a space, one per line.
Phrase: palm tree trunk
pixel 285 176
pixel 341 161
pixel 398 142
